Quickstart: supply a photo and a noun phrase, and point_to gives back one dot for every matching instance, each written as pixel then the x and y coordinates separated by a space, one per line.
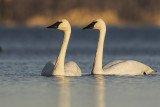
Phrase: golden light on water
pixel 100 91
pixel 64 99
pixel 64 92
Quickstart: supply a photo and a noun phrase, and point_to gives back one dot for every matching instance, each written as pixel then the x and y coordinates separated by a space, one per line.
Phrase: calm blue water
pixel 27 50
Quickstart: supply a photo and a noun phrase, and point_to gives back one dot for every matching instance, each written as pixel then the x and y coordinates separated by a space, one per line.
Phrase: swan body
pixel 128 67
pixel 118 67
pixel 58 67
pixel 69 68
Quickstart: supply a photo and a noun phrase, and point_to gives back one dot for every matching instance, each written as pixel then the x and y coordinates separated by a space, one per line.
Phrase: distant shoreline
pixel 76 19
pixel 79 13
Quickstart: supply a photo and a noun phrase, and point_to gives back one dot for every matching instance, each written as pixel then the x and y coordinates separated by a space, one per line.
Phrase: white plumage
pixel 58 67
pixel 128 67
pixel 118 67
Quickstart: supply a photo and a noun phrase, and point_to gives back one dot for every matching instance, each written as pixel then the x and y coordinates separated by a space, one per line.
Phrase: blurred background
pixel 133 33
pixel 79 12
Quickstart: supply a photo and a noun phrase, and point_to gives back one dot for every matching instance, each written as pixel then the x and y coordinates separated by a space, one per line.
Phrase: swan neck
pixel 59 66
pixel 97 68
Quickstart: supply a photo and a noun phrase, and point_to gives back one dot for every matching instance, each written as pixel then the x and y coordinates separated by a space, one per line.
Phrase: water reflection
pixel 64 92
pixel 100 91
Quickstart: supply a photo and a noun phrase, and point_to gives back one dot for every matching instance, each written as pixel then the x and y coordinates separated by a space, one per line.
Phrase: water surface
pixel 27 50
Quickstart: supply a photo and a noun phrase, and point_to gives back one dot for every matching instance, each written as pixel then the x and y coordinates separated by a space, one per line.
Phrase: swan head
pixel 98 24
pixel 61 25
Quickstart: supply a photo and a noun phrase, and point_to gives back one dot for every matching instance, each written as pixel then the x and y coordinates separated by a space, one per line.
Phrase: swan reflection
pixel 64 92
pixel 100 91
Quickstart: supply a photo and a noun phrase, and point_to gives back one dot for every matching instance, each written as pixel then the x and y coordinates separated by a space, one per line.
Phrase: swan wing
pixel 112 64
pixel 128 67
pixel 48 68
pixel 72 69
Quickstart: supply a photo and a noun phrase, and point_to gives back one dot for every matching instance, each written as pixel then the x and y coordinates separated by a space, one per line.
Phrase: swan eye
pixel 90 26
pixel 55 25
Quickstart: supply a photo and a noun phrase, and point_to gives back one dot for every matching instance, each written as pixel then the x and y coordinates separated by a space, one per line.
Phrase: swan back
pixel 129 67
pixel 112 64
pixel 72 69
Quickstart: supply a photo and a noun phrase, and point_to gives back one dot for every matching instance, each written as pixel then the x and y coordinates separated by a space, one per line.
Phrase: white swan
pixel 58 67
pixel 119 67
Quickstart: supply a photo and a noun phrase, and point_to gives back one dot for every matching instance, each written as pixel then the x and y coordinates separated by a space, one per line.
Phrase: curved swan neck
pixel 97 68
pixel 59 66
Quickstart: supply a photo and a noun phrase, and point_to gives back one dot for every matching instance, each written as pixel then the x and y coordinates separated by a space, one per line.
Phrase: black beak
pixel 90 26
pixel 55 25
